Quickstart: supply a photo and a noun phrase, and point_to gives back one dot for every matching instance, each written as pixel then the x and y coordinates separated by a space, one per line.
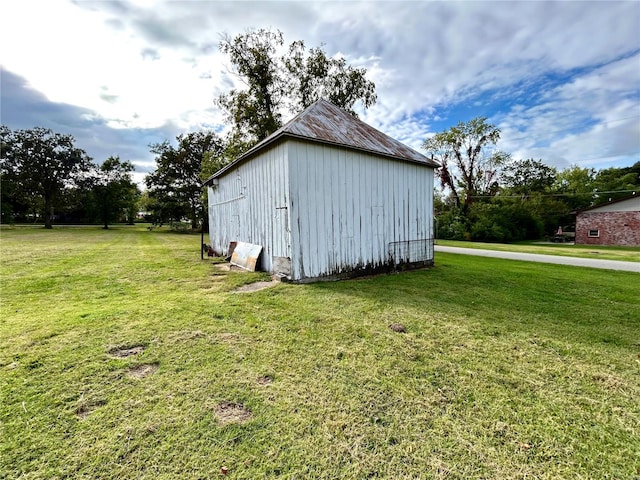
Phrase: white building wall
pixel 250 204
pixel 628 205
pixel 348 207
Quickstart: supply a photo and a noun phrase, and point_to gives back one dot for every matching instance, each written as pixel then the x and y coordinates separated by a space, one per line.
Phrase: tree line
pixel 45 177
pixel 485 193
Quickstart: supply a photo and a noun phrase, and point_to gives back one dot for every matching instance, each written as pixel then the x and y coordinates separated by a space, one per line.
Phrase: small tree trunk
pixel 48 212
pixel 194 217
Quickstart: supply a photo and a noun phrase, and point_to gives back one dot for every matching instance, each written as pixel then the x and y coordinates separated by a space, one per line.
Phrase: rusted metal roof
pixel 323 122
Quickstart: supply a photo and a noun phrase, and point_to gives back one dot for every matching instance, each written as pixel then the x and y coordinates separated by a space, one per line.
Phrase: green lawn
pixel 627 254
pixel 510 370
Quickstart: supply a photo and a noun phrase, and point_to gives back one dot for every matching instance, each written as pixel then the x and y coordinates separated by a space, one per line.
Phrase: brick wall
pixel 615 228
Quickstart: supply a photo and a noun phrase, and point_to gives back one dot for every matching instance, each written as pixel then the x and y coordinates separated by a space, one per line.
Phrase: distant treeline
pixel 529 200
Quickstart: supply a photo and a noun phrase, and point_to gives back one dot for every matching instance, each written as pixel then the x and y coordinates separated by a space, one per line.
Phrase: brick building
pixel 613 223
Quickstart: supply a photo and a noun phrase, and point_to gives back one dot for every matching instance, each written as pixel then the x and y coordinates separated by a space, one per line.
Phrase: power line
pixel 596 192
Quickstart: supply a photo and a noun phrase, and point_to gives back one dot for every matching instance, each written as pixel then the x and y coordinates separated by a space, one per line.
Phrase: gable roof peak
pixel 324 122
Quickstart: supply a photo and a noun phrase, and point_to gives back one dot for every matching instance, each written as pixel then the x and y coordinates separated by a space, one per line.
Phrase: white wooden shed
pixel 326 196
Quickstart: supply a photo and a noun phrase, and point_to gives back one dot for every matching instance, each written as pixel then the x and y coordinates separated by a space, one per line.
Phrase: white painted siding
pixel 251 204
pixel 347 207
pixel 628 205
pixel 330 209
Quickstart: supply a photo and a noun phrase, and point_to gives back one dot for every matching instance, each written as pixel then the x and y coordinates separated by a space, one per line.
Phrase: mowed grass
pixel 604 252
pixel 506 370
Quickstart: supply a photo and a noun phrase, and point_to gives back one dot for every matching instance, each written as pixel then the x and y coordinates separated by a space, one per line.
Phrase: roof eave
pixel 611 202
pixel 243 157
pixel 427 162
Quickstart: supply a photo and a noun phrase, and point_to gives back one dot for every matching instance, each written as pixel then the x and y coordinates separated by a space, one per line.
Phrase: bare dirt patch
pixel 229 412
pixel 86 409
pixel 227 267
pixel 83 412
pixel 255 286
pixel 264 380
pixel 142 371
pixel 398 327
pixel 120 352
pixel 608 381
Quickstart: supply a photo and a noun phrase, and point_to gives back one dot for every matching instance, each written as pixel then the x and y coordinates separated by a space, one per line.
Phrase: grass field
pixel 123 355
pixel 627 254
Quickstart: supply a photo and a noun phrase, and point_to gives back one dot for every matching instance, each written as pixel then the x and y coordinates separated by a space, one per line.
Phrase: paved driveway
pixel 536 257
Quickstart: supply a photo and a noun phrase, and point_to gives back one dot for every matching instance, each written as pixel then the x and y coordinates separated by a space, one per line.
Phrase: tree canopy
pixel 469 162
pixel 576 184
pixel 174 187
pixel 276 83
pixel 524 177
pixel 113 191
pixel 612 183
pixel 40 164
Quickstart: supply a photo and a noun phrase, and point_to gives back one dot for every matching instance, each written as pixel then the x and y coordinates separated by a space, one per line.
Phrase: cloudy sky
pixel 561 79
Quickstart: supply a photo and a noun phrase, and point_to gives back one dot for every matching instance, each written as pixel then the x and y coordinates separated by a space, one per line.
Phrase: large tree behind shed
pixel 275 84
pixel 174 187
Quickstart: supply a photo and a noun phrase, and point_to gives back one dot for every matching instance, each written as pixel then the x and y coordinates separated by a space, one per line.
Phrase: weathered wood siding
pixel 250 204
pixel 347 207
pixel 330 210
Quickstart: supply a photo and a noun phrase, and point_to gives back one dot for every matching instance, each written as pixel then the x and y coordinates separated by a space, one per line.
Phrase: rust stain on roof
pixel 325 123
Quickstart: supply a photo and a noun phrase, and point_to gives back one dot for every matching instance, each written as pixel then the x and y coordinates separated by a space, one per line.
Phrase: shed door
pixel 282 232
pixel 281 243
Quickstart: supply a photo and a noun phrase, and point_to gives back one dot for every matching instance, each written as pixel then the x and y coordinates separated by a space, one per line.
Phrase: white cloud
pixel 437 53
pixel 84 58
pixel 154 66
pixel 602 100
